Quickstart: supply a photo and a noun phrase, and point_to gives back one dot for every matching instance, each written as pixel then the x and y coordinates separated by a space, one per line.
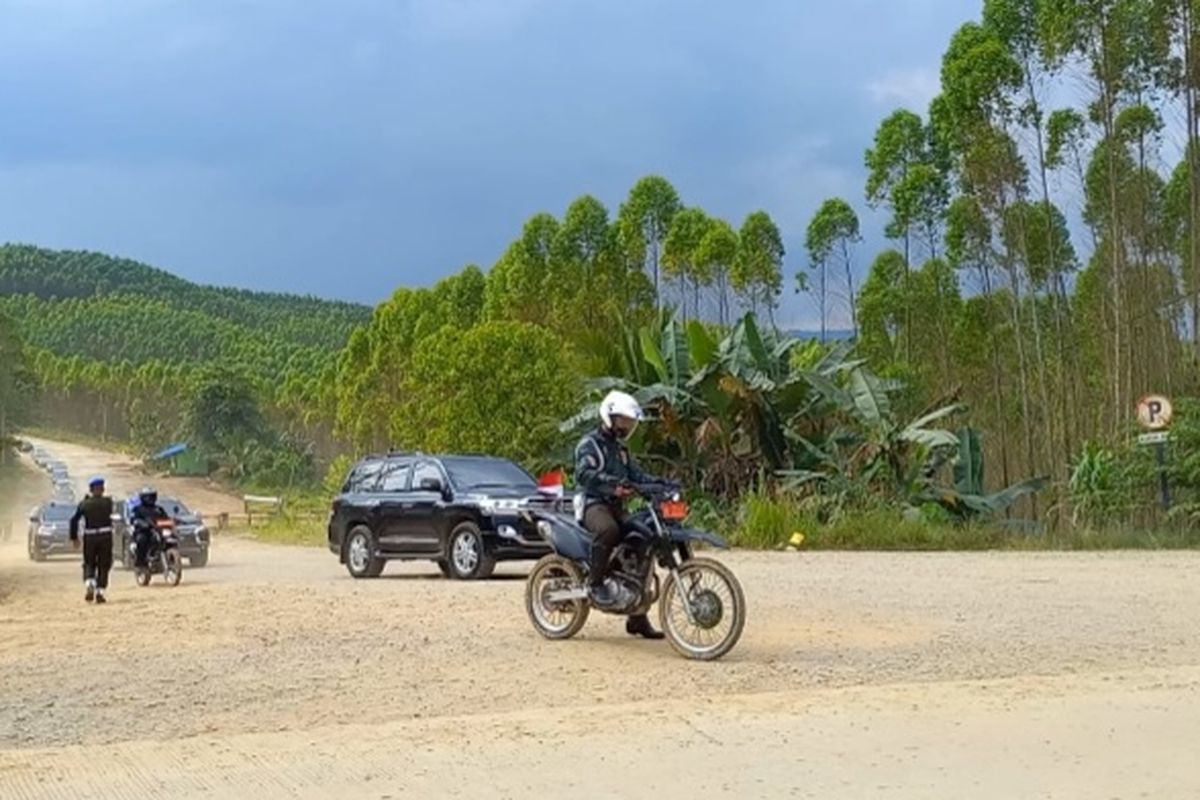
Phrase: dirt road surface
pixel 273 674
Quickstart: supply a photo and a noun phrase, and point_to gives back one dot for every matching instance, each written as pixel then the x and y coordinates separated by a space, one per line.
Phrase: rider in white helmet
pixel 604 471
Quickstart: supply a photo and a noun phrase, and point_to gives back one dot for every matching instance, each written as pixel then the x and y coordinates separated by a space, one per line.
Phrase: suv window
pixel 364 477
pixel 395 476
pixel 424 470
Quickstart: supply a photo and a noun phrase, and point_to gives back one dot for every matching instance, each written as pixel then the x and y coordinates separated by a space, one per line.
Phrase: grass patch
pixel 767 522
pixel 303 521
pixel 281 530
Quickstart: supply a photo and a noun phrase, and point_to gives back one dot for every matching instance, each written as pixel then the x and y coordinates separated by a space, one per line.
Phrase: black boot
pixel 639 625
pixel 600 589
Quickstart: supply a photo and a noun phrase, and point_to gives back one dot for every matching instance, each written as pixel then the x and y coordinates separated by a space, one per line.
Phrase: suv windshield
pixel 57 513
pixel 174 507
pixel 478 473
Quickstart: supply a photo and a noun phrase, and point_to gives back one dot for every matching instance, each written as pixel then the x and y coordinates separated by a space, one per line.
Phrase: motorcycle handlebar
pixel 652 489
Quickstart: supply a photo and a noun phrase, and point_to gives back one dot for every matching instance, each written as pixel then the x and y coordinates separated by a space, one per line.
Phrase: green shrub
pixel 766 520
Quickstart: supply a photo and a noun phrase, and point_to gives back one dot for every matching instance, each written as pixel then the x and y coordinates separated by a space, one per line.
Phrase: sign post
pixel 1154 413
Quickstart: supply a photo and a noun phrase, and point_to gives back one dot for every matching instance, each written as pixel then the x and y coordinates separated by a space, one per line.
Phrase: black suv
pixel 461 511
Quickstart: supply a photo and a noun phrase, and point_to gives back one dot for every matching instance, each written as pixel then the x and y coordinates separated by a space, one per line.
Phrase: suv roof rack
pixel 391 453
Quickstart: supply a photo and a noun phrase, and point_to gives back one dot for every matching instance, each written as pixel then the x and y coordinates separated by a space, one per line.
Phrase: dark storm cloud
pixel 345 148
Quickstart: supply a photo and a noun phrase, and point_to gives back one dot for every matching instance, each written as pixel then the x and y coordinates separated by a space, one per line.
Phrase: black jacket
pixel 96 513
pixel 146 516
pixel 602 463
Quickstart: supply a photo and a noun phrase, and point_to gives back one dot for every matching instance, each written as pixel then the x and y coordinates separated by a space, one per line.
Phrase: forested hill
pixel 35 282
pixel 101 308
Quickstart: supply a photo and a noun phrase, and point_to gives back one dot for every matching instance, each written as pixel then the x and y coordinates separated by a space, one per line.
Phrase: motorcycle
pixel 702 609
pixel 162 558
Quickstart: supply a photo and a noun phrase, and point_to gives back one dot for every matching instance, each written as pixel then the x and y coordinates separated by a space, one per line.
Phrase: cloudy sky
pixel 346 148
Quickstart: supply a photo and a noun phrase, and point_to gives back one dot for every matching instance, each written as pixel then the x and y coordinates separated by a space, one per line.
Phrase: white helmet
pixel 620 404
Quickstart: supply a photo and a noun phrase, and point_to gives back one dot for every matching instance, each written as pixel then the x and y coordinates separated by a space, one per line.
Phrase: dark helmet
pixel 148 496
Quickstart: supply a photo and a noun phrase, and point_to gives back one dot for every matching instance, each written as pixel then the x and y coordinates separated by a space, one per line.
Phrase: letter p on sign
pixel 1154 412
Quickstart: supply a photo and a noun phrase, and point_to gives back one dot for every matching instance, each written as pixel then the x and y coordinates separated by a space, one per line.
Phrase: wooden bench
pixel 262 506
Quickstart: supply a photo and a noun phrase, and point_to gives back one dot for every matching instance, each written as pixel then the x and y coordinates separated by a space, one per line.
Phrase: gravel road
pixel 272 673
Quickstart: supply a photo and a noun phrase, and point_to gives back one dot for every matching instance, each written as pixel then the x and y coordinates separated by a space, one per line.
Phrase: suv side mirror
pixel 432 485
pixel 34 519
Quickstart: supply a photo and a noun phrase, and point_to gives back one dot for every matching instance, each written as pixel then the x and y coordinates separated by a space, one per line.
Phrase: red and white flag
pixel 552 483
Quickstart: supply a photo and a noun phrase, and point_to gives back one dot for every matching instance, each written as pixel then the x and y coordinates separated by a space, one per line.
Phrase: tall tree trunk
pixel 997 382
pixel 1057 292
pixel 823 299
pixel 850 288
pixel 1022 365
pixel 1192 153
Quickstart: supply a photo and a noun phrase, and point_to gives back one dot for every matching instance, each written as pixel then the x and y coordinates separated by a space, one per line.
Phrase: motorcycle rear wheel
pixel 173 568
pixel 718 609
pixel 555 620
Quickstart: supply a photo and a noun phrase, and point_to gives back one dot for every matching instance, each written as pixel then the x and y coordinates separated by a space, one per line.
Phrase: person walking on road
pixel 95 512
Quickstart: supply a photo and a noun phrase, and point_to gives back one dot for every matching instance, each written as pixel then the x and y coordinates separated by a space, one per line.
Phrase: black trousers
pixel 143 538
pixel 604 522
pixel 97 558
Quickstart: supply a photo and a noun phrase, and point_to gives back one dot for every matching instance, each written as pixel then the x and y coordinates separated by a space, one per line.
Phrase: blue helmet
pixel 95 481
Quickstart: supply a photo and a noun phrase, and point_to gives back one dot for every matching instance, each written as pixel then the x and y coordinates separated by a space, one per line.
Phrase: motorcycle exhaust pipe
pixel 567 595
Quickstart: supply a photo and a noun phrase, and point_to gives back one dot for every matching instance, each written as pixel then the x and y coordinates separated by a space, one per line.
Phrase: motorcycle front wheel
pixel 702 609
pixel 172 568
pixel 555 619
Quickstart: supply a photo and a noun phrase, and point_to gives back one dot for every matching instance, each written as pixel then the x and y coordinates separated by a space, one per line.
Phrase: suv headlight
pixel 45 531
pixel 494 506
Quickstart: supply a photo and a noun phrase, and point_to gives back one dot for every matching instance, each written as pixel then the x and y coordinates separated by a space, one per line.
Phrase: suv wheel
pixel 35 554
pixel 199 559
pixel 361 560
pixel 468 558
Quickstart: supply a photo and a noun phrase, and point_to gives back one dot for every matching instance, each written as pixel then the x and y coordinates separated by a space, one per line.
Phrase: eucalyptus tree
pixel 681 256
pixel 758 267
pixel 834 229
pixel 644 220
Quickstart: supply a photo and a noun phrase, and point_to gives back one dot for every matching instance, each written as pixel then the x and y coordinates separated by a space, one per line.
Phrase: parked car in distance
pixel 194 537
pixel 461 511
pixel 40 456
pixel 23 446
pixel 49 529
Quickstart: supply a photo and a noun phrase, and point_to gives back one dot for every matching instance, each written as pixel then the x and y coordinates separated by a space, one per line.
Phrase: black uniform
pixel 96 515
pixel 144 519
pixel 603 463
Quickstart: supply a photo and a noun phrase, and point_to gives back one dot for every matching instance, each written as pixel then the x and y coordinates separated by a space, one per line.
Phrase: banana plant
pixel 726 409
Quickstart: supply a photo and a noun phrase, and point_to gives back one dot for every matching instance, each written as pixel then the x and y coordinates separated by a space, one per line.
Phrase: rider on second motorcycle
pixel 144 518
pixel 604 471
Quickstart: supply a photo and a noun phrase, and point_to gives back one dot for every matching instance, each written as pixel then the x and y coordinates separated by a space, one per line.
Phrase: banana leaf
pixel 675 355
pixel 653 355
pixel 702 346
pixel 870 398
pixel 968 467
pixel 967 505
